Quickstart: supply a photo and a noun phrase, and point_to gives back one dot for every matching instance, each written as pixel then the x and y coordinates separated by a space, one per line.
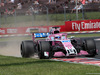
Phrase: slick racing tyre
pixel 77 43
pixel 44 46
pixel 90 47
pixel 27 48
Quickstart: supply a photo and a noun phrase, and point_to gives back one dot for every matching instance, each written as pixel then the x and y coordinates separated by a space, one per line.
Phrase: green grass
pixel 41 20
pixel 30 66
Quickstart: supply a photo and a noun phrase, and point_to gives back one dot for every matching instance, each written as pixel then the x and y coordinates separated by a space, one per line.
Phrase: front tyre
pixel 27 48
pixel 43 47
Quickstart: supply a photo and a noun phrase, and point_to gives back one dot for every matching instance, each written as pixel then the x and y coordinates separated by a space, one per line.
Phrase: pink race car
pixel 58 45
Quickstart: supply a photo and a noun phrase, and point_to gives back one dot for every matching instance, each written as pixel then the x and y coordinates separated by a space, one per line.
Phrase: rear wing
pixel 36 34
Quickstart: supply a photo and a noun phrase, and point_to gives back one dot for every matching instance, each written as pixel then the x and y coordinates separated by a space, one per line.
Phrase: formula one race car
pixel 58 45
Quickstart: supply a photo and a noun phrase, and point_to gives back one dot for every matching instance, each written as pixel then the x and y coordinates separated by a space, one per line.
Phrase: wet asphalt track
pixel 12 48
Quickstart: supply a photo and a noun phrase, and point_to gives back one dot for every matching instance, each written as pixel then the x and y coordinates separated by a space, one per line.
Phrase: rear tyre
pixel 44 46
pixel 90 47
pixel 27 48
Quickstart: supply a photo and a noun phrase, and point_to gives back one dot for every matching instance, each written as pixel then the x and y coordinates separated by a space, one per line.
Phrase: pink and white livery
pixel 58 45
